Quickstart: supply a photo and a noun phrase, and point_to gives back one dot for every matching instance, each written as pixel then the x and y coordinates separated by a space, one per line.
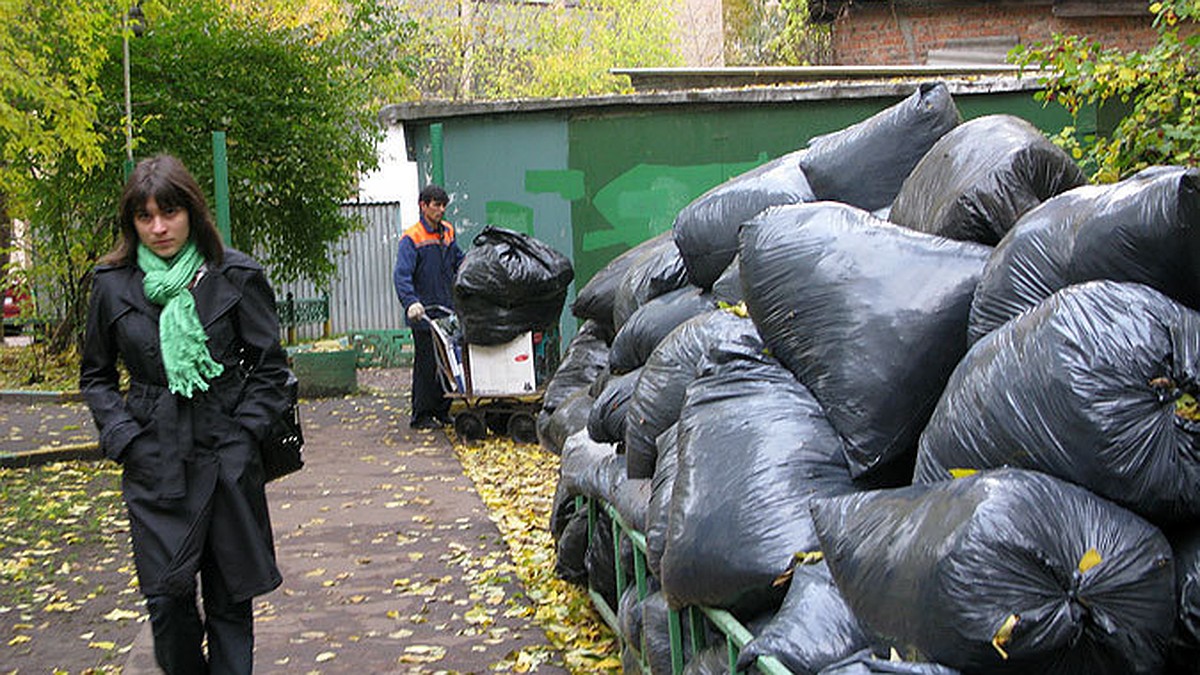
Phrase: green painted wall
pixel 593 185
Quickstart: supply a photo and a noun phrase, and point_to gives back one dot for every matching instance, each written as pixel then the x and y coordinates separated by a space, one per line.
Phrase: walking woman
pixel 195 325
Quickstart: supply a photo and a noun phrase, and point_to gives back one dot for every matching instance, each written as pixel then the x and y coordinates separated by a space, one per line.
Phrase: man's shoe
pixel 425 423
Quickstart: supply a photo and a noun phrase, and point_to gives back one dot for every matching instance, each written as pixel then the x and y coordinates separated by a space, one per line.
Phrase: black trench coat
pixel 192 477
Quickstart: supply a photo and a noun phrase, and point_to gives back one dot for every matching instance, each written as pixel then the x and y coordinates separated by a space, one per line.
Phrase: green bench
pixel 295 311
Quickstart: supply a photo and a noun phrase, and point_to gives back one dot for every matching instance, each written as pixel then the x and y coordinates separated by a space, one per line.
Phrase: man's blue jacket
pixel 425 267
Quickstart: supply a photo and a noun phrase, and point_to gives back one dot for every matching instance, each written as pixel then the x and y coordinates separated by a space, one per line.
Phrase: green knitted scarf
pixel 185 354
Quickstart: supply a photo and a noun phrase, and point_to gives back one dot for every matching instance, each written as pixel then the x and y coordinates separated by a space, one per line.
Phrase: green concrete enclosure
pixel 594 177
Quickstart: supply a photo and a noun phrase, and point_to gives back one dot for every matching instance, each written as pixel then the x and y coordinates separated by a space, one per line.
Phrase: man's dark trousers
pixel 428 398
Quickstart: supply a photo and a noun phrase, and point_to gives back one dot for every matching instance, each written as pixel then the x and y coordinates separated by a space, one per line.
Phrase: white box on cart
pixel 502 369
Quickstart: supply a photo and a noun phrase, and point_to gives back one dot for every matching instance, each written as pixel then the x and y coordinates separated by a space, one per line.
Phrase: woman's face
pixel 163 231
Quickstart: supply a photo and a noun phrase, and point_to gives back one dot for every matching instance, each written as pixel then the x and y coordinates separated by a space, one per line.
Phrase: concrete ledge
pixel 35 396
pixel 47 454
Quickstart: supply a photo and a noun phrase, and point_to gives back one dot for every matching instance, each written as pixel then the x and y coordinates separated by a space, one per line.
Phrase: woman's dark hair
pixel 168 181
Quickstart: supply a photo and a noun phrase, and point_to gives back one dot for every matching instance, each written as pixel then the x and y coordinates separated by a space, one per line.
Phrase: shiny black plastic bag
pixel 865 164
pixel 606 421
pixel 570 416
pixel 706 229
pixel 979 178
pixel 754 450
pixel 679 358
pixel 662 487
pixel 585 358
pixel 1092 386
pixel 657 270
pixel 571 549
pixel 866 662
pixel 509 283
pixel 587 469
pixel 870 316
pixel 1185 644
pixel 595 300
pixel 728 287
pixel 812 629
pixel 651 322
pixel 1005 571
pixel 1144 229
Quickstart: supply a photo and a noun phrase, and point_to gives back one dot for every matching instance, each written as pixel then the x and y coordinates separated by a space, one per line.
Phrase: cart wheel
pixel 469 425
pixel 497 422
pixel 522 428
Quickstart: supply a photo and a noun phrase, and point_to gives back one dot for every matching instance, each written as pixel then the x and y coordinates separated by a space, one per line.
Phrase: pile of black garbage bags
pixel 915 389
pixel 509 283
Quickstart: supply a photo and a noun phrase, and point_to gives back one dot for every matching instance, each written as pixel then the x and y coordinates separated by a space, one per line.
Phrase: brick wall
pixel 886 34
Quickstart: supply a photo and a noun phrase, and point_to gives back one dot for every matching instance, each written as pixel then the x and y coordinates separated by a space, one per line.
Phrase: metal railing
pixel 736 635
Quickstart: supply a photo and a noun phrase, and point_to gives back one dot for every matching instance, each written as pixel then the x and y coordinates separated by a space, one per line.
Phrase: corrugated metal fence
pixel 361 296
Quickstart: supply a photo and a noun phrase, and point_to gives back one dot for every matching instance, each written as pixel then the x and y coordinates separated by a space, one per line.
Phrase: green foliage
pixel 50 54
pixel 1160 87
pixel 299 111
pixel 769 33
pixel 485 50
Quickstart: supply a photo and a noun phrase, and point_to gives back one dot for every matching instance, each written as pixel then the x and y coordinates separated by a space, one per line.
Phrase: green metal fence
pixel 736 635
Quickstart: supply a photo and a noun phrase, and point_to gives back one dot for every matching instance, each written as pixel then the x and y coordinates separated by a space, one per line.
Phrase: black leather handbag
pixel 282 448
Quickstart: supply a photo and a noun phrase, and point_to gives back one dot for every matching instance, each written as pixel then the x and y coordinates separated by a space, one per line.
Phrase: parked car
pixel 14 300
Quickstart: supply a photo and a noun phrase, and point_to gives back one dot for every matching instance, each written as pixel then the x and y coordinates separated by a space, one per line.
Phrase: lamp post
pixel 134 21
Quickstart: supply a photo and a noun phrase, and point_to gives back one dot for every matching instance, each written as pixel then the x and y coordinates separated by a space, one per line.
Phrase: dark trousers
pixel 179 631
pixel 428 399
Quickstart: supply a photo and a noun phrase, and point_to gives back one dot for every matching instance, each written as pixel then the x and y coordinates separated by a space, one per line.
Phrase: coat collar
pixel 214 295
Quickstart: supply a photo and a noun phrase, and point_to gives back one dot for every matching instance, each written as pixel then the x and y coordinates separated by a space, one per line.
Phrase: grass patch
pixel 30 367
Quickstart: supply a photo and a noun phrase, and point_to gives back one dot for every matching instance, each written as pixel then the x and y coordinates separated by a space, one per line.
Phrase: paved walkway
pixel 390 562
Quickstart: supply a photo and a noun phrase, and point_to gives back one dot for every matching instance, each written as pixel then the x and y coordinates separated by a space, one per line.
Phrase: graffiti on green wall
pixel 638 204
pixel 510 215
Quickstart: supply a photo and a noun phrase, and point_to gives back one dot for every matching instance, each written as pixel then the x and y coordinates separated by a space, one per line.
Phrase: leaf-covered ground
pixel 517 483
pixel 69 602
pixel 67 589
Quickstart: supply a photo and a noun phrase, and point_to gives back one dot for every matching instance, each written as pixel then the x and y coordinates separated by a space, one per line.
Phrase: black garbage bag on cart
pixel 570 416
pixel 679 358
pixel 509 283
pixel 1185 643
pixel 606 421
pixel 865 164
pixel 1091 386
pixel 651 322
pixel 754 449
pixel 870 316
pixel 979 178
pixel 1004 571
pixel 812 629
pixel 656 271
pixel 867 662
pixel 1143 229
pixel 585 357
pixel 706 229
